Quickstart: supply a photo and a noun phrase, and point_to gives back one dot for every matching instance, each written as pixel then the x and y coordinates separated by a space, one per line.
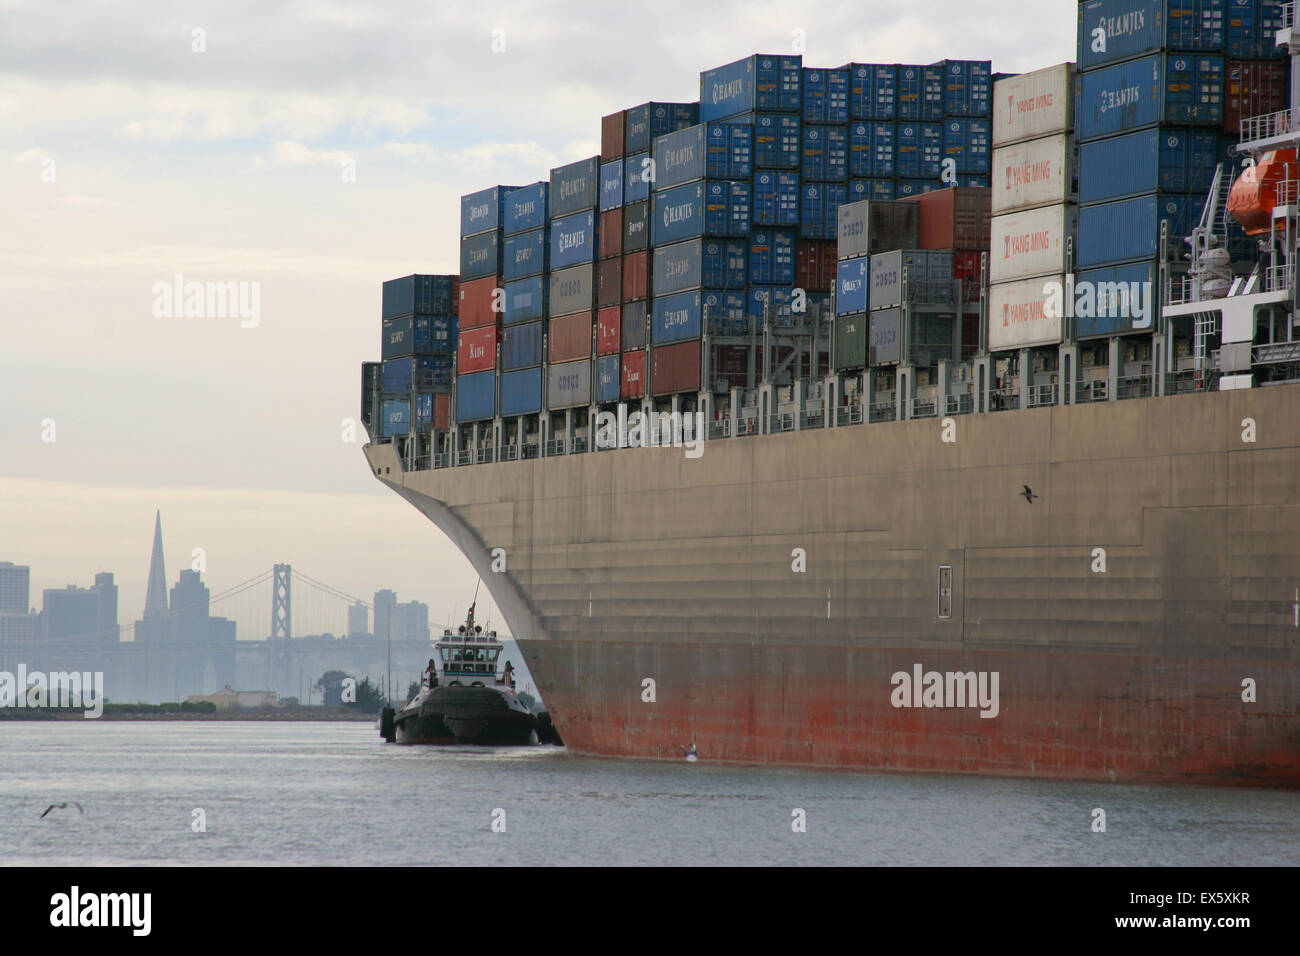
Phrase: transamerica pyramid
pixel 155 599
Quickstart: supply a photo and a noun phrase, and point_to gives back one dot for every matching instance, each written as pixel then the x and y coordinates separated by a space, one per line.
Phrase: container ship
pixel 893 417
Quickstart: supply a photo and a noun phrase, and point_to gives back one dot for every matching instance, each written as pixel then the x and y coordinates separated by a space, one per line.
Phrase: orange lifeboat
pixel 1261 187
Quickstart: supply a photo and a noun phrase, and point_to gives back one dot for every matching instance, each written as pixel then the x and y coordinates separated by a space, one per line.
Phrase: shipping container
pixel 729 367
pixel 815 264
pixel 636 276
pixel 826 95
pixel 918 150
pixel 1123 299
pixel 436 412
pixel 1115 30
pixel 609 282
pixel 700 263
pixel 1036 172
pixel 611 185
pixel 871 226
pixel 907 188
pixel 638 171
pixel 1181 89
pixel 851 341
pixel 526 254
pixel 727 312
pixel 521 347
pixel 967 88
pixel 920 93
pixel 481 255
pixel 420 294
pixel 1130 228
pixel 824 154
pixel 609 323
pixel 650 120
pixel 394 417
pixel 569 385
pixel 954 218
pixel 633 386
pixel 1033 105
pixel 770 303
pixel 675 317
pixel 777 138
pixel 428 371
pixel 872 147
pixel 609 374
pixel 968 143
pixel 1170 159
pixel 613 133
pixel 636 231
pixel 418 335
pixel 570 337
pixel 966 266
pixel 873 91
pixel 1252 30
pixel 885 337
pixel 704 208
pixel 484 210
pixel 675 368
pixel 573 240
pixel 881 189
pixel 572 290
pixel 482 301
pixel 706 151
pixel 1253 90
pixel 575 187
pixel 476 396
pixel 1032 242
pixel 527 208
pixel 776 199
pixel 476 350
pixel 926 274
pixel 1020 316
pixel 609 237
pixel 758 82
pixel 521 392
pixel 635 333
pixel 852 285
pixel 771 255
pixel 525 300
pixel 819 205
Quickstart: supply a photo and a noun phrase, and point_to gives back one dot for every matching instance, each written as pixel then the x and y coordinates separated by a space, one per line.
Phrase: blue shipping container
pixel 727 312
pixel 573 240
pixel 481 255
pixel 483 210
pixel 1168 159
pixel 1252 28
pixel 712 208
pixel 771 256
pixel 776 199
pixel 727 208
pixel 824 155
pixel 1123 300
pixel 525 300
pixel 1175 89
pixel 651 120
pixel 521 347
pixel 696 263
pixel 872 147
pixel 920 93
pixel 826 95
pixel 521 392
pixel 851 286
pixel 709 150
pixel 968 88
pixel 819 211
pixel 525 254
pixel 432 371
pixel 426 295
pixel 676 317
pixel 527 208
pixel 757 82
pixel 1130 229
pixel 476 396
pixel 968 142
pixel 915 187
pixel 418 335
pixel 770 301
pixel 919 150
pixel 870 189
pixel 636 178
pixel 575 187
pixel 873 91
pixel 777 139
pixel 394 418
pixel 611 185
pixel 609 378
pixel 1115 30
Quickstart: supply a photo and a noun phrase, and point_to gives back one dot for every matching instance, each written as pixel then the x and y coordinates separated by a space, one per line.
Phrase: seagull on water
pixel 690 753
pixel 62 806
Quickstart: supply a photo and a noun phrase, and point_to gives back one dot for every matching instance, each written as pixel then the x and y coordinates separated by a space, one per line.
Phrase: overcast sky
pixel 228 165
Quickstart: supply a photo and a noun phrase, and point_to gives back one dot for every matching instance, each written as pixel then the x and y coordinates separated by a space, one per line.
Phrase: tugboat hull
pixel 466 715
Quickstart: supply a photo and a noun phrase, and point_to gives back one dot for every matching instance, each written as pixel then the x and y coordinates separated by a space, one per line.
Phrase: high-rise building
pixel 189 606
pixel 107 591
pixel 411 622
pixel 358 620
pixel 72 613
pixel 385 608
pixel 155 599
pixel 15 587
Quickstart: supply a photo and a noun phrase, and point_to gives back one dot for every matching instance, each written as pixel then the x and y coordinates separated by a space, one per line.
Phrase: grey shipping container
pixel 928 275
pixel 481 255
pixel 422 294
pixel 634 326
pixel 877 225
pixel 569 384
pixel 572 290
pixel 636 227
pixel 575 187
pixel 884 337
pixel 851 341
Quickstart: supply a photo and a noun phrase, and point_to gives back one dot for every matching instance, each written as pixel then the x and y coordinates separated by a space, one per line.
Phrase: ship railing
pixel 484 455
pixel 1004 399
pixel 531 449
pixel 1095 390
pixel 1288 16
pixel 1278 278
pixel 849 414
pixel 1265 126
pixel 510 452
pixel 465 457
pixel 579 445
pixel 1133 386
pixel 782 422
pixel 719 429
pixel 1041 396
pixel 441 460
pixel 747 425
pixel 960 404
pixel 556 446
pixel 924 408
pixel 883 412
pixel 811 418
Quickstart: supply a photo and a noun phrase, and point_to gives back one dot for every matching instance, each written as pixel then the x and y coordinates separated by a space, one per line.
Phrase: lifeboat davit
pixel 1260 188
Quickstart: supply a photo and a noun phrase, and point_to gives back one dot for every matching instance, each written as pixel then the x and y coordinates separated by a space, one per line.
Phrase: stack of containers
pixel 1150 110
pixel 1258 79
pixel 610 284
pixel 482 257
pixel 867 228
pixel 572 283
pixel 1034 162
pixel 527 260
pixel 419 340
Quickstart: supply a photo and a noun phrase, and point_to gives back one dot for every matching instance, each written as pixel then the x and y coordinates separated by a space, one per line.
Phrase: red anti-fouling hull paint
pixel 1061 715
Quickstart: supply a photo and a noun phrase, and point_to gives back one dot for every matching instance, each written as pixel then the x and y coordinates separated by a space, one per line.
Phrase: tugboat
pixel 462 698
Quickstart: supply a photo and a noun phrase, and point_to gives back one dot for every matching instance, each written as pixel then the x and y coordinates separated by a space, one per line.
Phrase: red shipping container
pixel 634 374
pixel 729 366
pixel 441 410
pixel 815 264
pixel 610 242
pixel 570 338
pixel 636 276
pixel 609 282
pixel 959 217
pixel 675 368
pixel 966 267
pixel 609 323
pixel 1253 89
pixel 611 135
pixel 477 349
pixel 478 297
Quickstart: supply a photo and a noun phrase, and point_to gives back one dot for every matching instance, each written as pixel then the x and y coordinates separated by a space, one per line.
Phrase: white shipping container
pixel 1031 242
pixel 1018 316
pixel 1033 105
pixel 1037 172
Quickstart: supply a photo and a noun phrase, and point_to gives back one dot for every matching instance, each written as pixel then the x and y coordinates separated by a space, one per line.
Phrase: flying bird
pixel 62 806
pixel 1028 495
